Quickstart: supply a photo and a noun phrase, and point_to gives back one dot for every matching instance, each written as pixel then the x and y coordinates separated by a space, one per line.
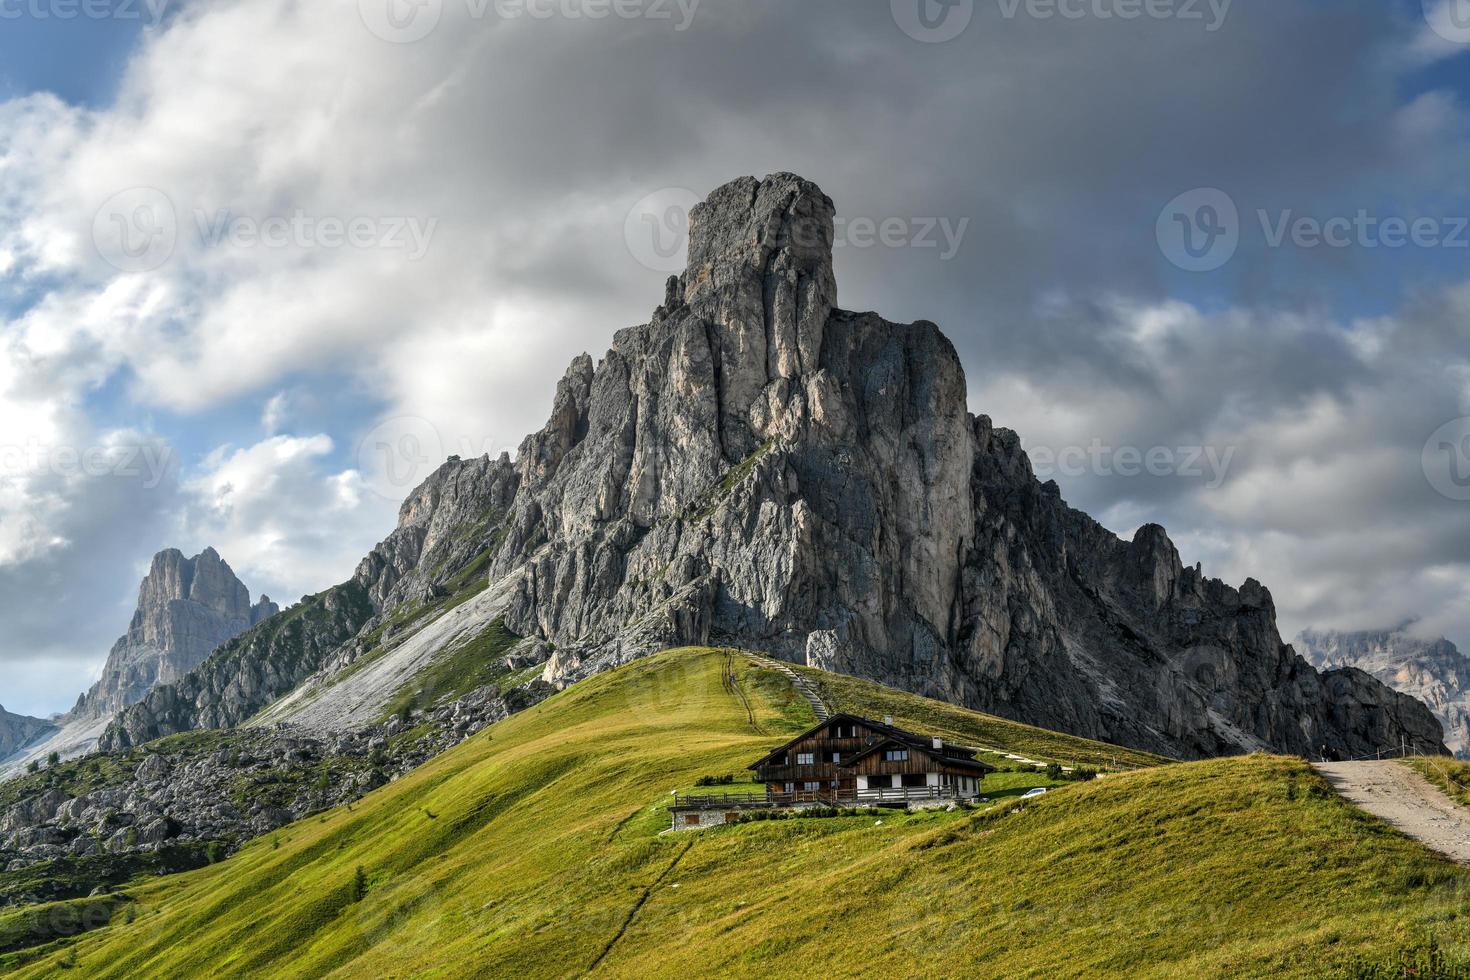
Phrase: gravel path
pixel 1407 801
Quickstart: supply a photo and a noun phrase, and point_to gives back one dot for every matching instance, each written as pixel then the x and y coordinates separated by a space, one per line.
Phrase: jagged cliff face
pixel 187 607
pixel 756 466
pixel 753 465
pixel 1434 671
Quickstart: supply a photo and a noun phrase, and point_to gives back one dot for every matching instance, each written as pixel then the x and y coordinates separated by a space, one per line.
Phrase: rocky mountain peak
pixel 206 580
pixel 757 467
pixel 765 246
pixel 186 608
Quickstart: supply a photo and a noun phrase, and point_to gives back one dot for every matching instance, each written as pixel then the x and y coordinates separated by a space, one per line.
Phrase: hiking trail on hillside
pixel 1396 794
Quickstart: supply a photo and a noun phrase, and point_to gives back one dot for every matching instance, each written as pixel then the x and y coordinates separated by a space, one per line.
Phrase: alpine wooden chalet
pixel 846 761
pixel 852 760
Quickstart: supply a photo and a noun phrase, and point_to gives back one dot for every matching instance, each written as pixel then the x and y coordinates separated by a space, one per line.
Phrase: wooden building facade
pixel 848 759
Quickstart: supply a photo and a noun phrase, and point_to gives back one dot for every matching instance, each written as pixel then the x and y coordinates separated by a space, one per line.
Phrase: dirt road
pixel 1395 793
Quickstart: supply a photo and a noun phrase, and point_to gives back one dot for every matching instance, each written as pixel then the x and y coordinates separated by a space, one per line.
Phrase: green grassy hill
pixel 535 850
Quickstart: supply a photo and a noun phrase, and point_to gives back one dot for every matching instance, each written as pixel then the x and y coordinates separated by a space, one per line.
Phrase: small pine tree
pixel 54 759
pixel 359 884
pixel 35 766
pixel 215 852
pixel 1053 770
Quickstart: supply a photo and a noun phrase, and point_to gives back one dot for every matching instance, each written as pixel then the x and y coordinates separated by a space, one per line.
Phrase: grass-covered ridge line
pixel 534 850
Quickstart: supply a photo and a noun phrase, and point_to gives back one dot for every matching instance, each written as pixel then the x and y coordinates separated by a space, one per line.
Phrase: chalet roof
pixel 957 754
pixel 964 759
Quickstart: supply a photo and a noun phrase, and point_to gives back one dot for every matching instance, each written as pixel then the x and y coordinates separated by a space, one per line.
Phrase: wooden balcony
pixel 909 794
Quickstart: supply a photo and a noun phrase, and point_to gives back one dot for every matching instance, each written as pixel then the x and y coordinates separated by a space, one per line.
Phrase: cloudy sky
pixel 263 262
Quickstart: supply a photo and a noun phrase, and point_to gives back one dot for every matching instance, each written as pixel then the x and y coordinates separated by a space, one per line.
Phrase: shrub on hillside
pixel 1423 958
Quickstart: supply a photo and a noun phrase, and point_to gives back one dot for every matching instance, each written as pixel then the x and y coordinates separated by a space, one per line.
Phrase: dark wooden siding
pixel 918 761
pixel 820 770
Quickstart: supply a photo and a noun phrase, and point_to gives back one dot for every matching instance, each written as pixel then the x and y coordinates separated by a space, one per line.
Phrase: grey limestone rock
pixel 187 607
pixel 1430 669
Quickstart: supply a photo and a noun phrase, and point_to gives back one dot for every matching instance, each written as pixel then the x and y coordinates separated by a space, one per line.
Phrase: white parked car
pixel 1038 791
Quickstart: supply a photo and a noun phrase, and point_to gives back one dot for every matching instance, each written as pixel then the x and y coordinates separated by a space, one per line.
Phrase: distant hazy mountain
pixel 186 608
pixel 1434 671
pixel 18 731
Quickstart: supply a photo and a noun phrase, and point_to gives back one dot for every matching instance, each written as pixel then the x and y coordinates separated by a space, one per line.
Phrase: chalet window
pixel 913 779
pixel 895 755
pixel 805 758
pixel 832 757
pixel 691 820
pixel 880 782
pixel 779 760
pixel 845 730
pixel 811 787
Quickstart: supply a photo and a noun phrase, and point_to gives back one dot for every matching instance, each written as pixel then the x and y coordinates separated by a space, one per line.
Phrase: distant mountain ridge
pixel 1432 670
pixel 757 467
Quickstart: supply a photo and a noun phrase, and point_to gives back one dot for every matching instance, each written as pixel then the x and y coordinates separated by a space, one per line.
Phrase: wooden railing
pixel 910 794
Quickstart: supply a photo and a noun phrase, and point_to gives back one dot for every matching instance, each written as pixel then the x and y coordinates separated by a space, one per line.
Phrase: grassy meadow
pixel 537 849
